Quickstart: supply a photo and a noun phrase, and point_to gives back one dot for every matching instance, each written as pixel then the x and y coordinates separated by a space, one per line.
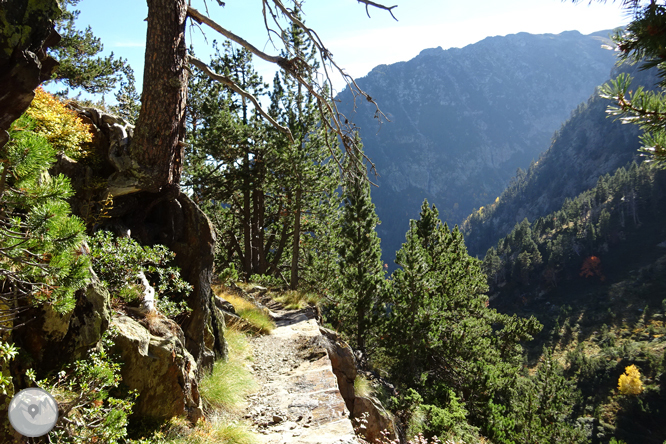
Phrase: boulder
pixel 378 419
pixel 160 369
pixel 224 305
pixel 53 339
pixel 218 325
pixel 343 363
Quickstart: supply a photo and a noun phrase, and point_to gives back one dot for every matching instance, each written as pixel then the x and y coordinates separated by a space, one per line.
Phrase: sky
pixel 358 43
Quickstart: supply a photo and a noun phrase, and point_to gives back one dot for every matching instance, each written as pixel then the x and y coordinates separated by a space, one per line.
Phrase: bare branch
pixel 297 68
pixel 233 86
pixel 377 5
pixel 200 18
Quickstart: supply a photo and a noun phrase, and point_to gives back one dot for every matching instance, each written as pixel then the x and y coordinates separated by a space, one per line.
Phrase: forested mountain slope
pixel 463 120
pixel 594 273
pixel 586 147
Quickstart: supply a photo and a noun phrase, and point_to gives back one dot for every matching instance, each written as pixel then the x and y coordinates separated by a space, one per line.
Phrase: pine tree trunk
pixel 155 151
pixel 247 214
pixel 296 248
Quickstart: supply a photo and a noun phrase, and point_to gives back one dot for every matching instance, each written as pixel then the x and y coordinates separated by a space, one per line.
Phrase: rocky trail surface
pixel 299 400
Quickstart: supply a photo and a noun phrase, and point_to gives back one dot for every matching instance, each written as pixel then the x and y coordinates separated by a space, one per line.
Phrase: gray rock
pixel 378 419
pixel 159 368
pixel 343 363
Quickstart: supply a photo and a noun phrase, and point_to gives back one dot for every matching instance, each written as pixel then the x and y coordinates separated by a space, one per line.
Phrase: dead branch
pixel 237 89
pixel 377 5
pixel 301 71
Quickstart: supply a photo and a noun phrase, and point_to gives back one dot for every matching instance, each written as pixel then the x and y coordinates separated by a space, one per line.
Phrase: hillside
pixel 586 147
pixel 463 120
pixel 593 274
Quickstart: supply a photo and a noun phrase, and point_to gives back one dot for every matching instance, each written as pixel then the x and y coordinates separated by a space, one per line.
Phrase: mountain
pixel 585 148
pixel 463 120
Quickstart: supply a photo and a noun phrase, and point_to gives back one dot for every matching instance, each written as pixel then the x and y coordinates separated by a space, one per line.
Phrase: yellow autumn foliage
pixel 630 382
pixel 60 125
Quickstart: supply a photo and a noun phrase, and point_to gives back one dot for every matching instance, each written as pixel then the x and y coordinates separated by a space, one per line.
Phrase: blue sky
pixel 357 42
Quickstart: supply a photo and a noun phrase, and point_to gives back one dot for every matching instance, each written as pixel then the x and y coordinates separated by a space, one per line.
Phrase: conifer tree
pixel 43 260
pixel 312 175
pixel 361 283
pixel 440 333
pixel 80 66
pixel 542 407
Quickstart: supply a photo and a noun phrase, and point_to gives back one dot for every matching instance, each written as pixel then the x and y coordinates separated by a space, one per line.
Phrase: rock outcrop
pixel 343 364
pixel 374 421
pixel 169 218
pixel 27 32
pixel 377 422
pixel 160 368
pixel 299 401
pixel 52 339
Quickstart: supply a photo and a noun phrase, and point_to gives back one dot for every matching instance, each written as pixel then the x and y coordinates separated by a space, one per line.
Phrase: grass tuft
pixel 219 432
pixel 231 380
pixel 296 300
pixel 259 320
pixel 362 387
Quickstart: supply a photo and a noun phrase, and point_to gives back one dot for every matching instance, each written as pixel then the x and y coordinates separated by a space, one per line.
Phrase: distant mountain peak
pixel 463 119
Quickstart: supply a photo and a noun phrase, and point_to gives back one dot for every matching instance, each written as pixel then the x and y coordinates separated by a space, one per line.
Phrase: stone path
pixel 299 401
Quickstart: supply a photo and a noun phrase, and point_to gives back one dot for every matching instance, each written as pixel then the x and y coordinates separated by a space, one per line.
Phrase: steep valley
pixel 463 120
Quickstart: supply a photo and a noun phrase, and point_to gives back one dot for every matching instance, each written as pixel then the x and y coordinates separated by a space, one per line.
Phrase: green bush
pixel 448 423
pixel 119 260
pixel 40 242
pixel 88 411
pixel 229 275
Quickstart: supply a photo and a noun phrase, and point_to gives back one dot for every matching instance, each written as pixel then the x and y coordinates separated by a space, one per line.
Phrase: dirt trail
pixel 299 401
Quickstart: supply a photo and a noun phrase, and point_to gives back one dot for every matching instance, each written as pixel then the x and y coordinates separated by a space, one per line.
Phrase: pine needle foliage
pixel 41 252
pixel 361 283
pixel 80 65
pixel 439 333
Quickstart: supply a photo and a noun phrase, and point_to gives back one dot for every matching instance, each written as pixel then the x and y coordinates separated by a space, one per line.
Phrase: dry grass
pixel 259 320
pixel 296 300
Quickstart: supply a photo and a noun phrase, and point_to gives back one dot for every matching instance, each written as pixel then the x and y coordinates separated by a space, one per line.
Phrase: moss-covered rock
pixel 160 369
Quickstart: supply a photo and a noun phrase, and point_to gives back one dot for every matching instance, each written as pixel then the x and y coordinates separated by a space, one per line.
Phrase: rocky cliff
pixel 585 148
pixel 463 120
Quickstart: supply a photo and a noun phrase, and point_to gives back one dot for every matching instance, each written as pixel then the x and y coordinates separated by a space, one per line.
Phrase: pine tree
pixel 542 407
pixel 439 332
pixel 226 165
pixel 41 244
pixel 361 283
pixel 312 175
pixel 76 51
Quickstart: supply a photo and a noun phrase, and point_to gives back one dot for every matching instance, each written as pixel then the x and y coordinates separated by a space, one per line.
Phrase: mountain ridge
pixel 463 119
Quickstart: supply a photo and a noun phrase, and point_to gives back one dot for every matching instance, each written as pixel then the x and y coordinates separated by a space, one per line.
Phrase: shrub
pixel 448 423
pixel 40 241
pixel 228 275
pixel 630 381
pixel 119 260
pixel 88 412
pixel 60 125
